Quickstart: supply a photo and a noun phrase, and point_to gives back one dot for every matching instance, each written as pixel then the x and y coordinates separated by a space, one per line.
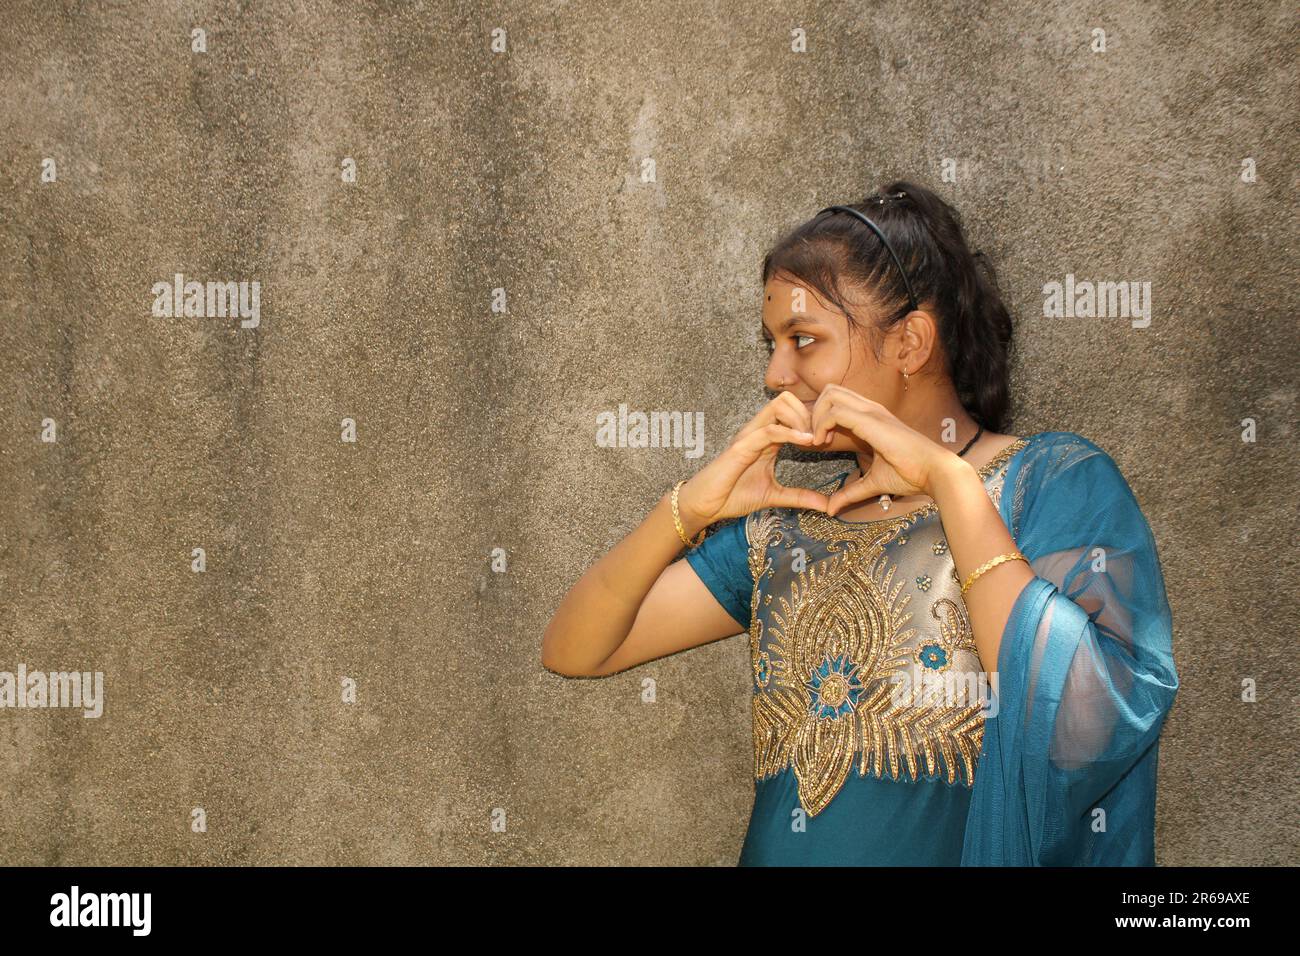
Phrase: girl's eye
pixel 770 344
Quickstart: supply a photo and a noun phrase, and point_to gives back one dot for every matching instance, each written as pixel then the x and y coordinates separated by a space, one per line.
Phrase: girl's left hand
pixel 903 461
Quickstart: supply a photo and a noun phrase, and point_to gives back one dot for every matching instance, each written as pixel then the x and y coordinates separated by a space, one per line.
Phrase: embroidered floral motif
pixel 835 687
pixel 940 547
pixel 954 635
pixel 923 582
pixel 933 656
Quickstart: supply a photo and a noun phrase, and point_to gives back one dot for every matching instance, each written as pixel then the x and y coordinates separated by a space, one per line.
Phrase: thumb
pixel 859 490
pixel 805 498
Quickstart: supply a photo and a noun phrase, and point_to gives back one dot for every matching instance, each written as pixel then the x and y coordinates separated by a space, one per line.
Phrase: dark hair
pixel 835 250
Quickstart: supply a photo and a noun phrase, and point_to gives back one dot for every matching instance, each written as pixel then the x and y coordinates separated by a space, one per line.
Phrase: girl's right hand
pixel 742 479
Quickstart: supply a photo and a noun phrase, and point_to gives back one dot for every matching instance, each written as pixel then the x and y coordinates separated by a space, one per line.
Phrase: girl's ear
pixel 917 335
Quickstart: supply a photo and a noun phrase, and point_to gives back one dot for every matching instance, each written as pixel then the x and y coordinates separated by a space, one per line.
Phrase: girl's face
pixel 810 348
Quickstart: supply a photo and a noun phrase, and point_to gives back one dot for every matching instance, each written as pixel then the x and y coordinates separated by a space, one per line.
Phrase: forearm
pixel 975 533
pixel 600 609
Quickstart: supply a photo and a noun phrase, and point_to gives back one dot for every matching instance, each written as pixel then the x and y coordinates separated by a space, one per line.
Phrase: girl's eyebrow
pixel 792 321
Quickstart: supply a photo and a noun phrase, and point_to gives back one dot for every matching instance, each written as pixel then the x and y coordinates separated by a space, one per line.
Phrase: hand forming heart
pixel 743 478
pixel 902 460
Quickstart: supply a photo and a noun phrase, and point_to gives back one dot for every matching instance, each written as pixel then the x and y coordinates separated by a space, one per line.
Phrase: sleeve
pixel 1067 772
pixel 722 562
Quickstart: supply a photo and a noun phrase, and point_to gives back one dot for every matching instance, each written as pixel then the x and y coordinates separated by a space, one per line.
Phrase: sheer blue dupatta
pixel 1067 769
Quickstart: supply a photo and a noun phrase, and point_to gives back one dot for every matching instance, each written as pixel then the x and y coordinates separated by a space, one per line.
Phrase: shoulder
pixel 1059 440
pixel 723 553
pixel 1062 471
pixel 1073 471
pixel 730 530
pixel 1059 450
pixel 1072 493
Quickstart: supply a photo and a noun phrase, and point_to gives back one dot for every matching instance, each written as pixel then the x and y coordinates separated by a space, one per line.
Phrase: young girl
pixel 961 649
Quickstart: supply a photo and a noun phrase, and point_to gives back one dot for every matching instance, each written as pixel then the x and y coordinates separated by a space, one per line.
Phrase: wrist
pixel 692 521
pixel 952 472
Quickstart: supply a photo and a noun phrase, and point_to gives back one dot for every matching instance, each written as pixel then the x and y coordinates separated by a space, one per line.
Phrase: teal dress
pixel 873 721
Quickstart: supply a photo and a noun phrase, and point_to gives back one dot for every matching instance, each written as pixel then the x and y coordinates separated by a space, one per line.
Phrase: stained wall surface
pixel 505 265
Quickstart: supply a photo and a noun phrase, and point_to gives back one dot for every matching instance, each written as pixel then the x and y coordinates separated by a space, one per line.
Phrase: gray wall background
pixel 522 170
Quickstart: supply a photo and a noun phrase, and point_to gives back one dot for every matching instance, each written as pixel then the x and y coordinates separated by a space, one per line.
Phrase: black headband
pixel 911 298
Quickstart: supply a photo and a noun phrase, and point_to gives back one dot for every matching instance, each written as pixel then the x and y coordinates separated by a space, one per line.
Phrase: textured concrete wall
pixel 524 170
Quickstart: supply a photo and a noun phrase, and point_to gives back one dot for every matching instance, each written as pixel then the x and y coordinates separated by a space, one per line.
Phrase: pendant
pixel 884 502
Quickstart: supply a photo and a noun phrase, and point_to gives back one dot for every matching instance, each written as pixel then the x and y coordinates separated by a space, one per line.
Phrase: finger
pixel 791 412
pixel 824 401
pixel 773 434
pixel 804 498
pixel 846 396
pixel 860 422
pixel 860 490
pixel 837 396
pixel 766 415
pixel 802 413
pixel 786 409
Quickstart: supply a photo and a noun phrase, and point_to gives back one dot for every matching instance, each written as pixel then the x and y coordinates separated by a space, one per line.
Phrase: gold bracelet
pixel 1012 556
pixel 677 520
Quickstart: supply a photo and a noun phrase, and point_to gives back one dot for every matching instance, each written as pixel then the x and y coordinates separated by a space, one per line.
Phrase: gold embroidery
pixel 1018 501
pixel 955 635
pixel 762 529
pixel 834 645
pixel 871 534
pixel 829 652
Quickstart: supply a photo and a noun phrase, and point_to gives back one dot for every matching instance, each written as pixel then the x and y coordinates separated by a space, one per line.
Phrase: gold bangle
pixel 677 520
pixel 1012 556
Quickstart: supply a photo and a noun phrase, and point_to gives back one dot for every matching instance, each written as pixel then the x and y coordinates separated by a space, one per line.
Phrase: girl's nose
pixel 778 377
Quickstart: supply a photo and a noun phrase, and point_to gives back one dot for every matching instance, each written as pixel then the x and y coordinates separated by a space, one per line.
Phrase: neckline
pixel 985 471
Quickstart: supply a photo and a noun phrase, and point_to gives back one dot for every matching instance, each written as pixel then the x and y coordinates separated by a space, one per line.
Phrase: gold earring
pixel 905 381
